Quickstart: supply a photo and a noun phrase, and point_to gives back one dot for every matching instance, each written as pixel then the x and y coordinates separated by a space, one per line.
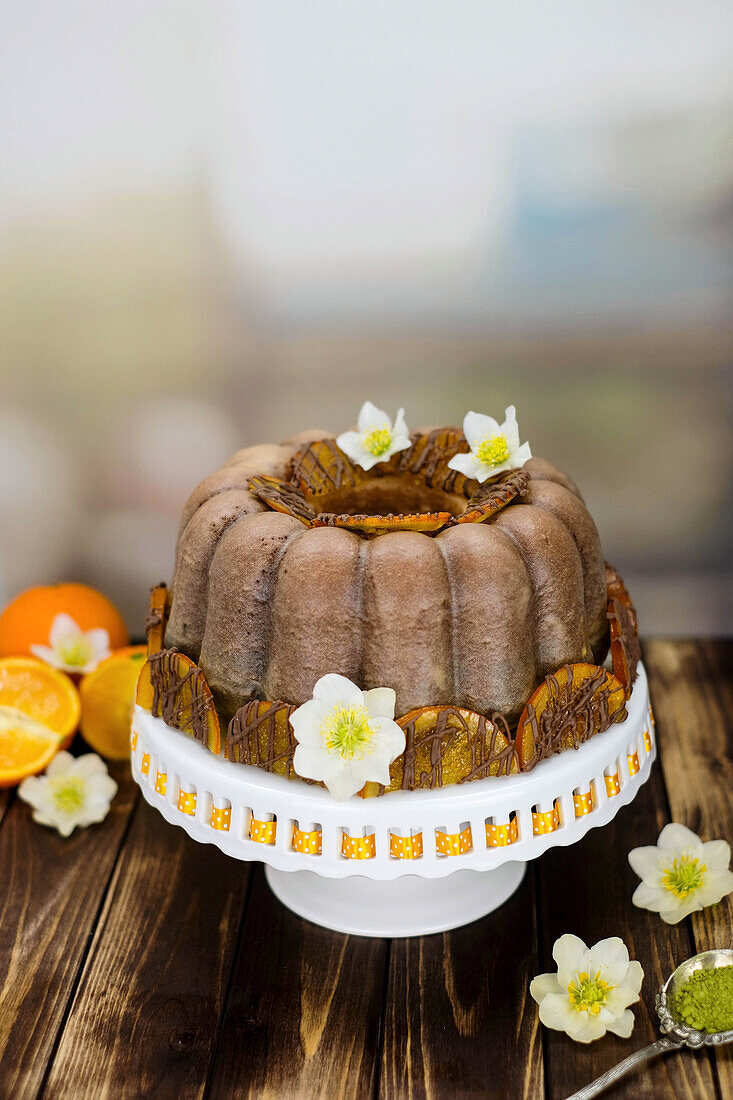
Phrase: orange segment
pixel 26 746
pixel 107 701
pixel 27 619
pixel 41 693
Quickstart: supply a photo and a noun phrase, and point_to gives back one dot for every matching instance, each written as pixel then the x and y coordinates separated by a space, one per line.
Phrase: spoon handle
pixel 611 1075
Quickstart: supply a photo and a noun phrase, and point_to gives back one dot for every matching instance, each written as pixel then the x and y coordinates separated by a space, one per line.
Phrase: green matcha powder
pixel 705 1002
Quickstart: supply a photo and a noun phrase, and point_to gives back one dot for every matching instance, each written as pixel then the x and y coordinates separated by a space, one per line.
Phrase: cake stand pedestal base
pixel 405 906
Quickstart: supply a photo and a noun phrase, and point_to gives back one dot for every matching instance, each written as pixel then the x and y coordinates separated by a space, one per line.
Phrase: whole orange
pixel 27 619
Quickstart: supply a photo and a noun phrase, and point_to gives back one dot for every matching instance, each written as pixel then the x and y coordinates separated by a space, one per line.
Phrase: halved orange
pixel 107 701
pixel 39 712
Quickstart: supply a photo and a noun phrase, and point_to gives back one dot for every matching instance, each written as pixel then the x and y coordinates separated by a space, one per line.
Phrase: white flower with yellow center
pixel 591 992
pixel 72 649
pixel 346 737
pixel 680 875
pixel 494 447
pixel 75 791
pixel 377 439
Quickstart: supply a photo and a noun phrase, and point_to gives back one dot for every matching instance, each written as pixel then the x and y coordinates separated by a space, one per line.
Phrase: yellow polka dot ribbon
pixel 263 832
pixel 647 740
pixel 187 802
pixel 145 764
pixel 498 836
pixel 583 803
pixel 358 847
pixel 221 818
pixel 161 782
pixel 453 844
pixel 651 718
pixel 633 759
pixel 309 843
pixel 405 847
pixel 133 740
pixel 613 786
pixel 545 822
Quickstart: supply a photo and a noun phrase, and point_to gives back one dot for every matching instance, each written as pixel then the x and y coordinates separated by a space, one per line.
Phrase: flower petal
pixel 99 641
pixel 62 762
pixel 568 952
pixel 352 446
pixel 648 896
pixel 336 690
pixel 611 957
pixel 623 1025
pixel 646 862
pixel 62 627
pixel 380 702
pixel 372 419
pixel 509 428
pixel 521 455
pixel 477 427
pixel 467 464
pixel 715 887
pixel 678 838
pixel 89 764
pixel 716 855
pixel 543 985
pixel 400 428
pixel 557 1013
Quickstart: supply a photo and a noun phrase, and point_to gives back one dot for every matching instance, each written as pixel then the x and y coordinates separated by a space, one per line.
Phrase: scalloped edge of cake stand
pixel 216 801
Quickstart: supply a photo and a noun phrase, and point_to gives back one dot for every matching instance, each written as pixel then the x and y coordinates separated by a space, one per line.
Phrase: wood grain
pixel 302 1019
pixel 457 1019
pixel 146 1014
pixel 693 703
pixel 52 889
pixel 586 889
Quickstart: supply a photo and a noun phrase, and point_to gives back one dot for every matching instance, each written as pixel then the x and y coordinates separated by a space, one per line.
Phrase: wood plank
pixel 586 889
pixel 146 1013
pixel 52 889
pixel 457 1020
pixel 693 704
pixel 302 1018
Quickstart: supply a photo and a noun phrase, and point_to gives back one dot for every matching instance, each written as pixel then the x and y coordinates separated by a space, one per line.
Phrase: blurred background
pixel 222 221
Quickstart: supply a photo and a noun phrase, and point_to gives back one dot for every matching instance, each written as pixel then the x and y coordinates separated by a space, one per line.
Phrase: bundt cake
pixel 409 571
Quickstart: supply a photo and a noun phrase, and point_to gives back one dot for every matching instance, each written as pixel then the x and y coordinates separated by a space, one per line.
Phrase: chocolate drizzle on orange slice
pixel 173 688
pixel 493 497
pixel 282 496
pixel 569 707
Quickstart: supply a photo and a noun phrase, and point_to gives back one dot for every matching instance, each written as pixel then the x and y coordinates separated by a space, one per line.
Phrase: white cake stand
pixel 404 864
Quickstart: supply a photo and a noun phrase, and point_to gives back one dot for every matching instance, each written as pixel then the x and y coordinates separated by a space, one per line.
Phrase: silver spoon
pixel 677 1033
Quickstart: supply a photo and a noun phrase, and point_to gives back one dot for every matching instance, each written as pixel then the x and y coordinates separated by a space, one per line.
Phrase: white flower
pixel 346 737
pixel 72 649
pixel 494 447
pixel 680 874
pixel 591 992
pixel 76 790
pixel 376 440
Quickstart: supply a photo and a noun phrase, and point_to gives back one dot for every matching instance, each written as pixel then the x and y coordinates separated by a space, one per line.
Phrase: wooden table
pixel 136 963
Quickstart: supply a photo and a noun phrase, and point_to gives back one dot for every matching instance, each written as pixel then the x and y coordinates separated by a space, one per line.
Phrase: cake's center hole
pixel 389 495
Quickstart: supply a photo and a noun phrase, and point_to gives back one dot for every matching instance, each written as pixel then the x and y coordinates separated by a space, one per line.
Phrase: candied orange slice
pixel 260 734
pixel 173 688
pixel 493 497
pixel 569 707
pixel 446 745
pixel 321 466
pixel 382 525
pixel 428 456
pixel 625 648
pixel 157 618
pixel 281 496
